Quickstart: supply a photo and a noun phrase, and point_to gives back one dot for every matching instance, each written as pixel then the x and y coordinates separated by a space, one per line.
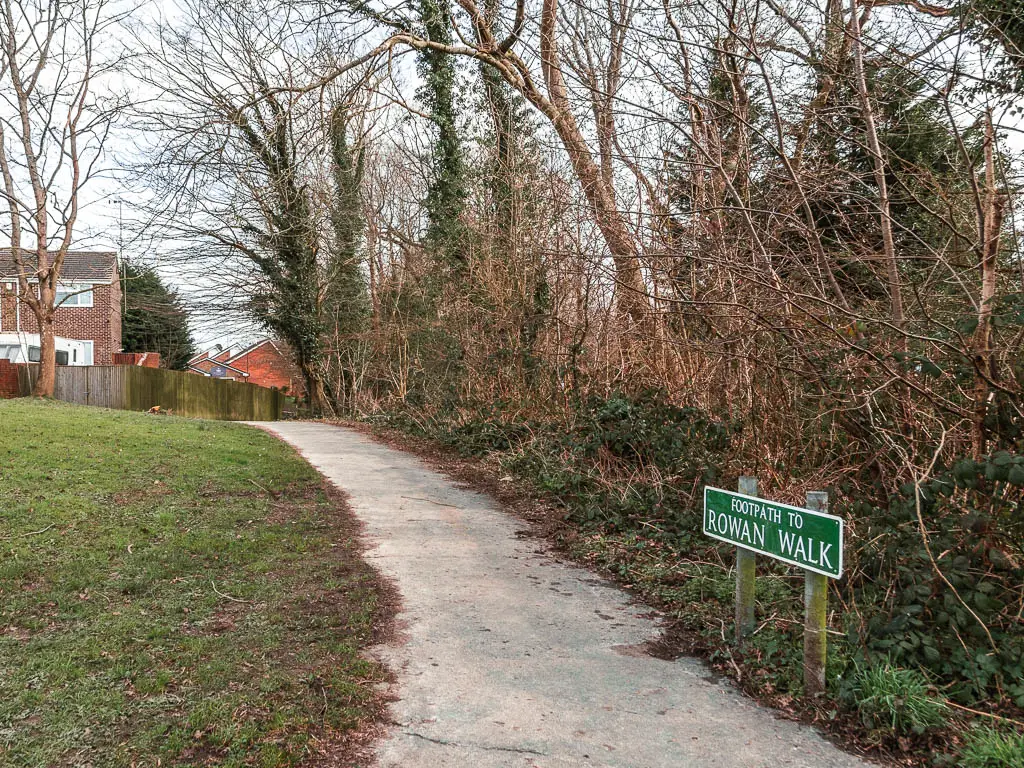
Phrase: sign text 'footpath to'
pixel 801 537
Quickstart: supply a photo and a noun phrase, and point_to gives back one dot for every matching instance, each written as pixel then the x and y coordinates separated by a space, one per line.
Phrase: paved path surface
pixel 507 657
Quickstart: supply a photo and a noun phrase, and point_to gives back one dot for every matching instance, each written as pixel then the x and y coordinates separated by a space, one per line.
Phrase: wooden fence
pixel 134 388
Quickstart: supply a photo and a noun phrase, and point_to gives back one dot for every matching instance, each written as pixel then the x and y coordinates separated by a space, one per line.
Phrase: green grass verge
pixel 992 748
pixel 174 592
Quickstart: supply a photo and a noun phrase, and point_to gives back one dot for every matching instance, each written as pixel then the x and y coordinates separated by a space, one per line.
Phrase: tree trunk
pixel 875 148
pixel 348 388
pixel 991 226
pixel 631 291
pixel 316 391
pixel 47 379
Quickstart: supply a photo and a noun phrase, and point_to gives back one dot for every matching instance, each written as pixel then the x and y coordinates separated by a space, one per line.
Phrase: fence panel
pixel 27 375
pixel 134 388
pixel 104 386
pixel 72 385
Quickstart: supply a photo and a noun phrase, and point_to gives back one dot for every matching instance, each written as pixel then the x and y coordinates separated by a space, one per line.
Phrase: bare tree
pixel 738 172
pixel 56 118
pixel 553 99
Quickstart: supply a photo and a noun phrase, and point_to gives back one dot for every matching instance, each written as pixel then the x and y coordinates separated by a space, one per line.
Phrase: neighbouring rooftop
pixel 79 266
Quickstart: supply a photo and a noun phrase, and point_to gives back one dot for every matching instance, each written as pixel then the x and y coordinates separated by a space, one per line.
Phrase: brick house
pixel 87 320
pixel 206 362
pixel 267 363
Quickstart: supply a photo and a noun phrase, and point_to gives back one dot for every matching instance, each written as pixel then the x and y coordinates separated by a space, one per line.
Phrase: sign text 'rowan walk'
pixel 801 537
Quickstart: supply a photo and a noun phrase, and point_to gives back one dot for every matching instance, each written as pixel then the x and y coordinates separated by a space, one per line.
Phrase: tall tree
pixel 447 191
pixel 554 100
pixel 247 156
pixel 153 318
pixel 348 303
pixel 287 297
pixel 54 123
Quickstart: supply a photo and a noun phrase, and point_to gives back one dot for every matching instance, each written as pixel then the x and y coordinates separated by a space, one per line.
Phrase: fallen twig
pixel 1018 723
pixel 267 491
pixel 735 666
pixel 764 624
pixel 30 533
pixel 228 597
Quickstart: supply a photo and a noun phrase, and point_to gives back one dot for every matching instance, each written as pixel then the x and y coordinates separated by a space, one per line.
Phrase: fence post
pixel 745 575
pixel 815 614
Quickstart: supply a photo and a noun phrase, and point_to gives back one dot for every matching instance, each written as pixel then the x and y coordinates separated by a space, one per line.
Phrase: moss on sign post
pixel 745 575
pixel 815 614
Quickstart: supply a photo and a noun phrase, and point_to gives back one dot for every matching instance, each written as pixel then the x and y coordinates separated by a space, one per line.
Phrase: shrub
pixel 990 748
pixel 631 467
pixel 628 462
pixel 974 517
pixel 887 696
pixel 684 444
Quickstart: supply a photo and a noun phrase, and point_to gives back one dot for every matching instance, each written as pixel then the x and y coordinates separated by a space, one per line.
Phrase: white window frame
pixel 88 353
pixel 80 294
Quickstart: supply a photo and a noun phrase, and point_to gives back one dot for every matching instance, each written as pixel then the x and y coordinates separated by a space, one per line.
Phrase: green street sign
pixel 801 537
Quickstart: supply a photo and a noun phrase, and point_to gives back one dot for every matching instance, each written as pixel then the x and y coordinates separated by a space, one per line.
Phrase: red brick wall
pixel 9 380
pixel 145 359
pixel 200 364
pixel 267 367
pixel 100 323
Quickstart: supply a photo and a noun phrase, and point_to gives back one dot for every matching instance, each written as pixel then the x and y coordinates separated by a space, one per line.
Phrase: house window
pixel 74 295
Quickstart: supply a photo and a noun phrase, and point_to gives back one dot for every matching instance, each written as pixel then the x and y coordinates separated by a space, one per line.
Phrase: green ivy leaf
pixel 1016 475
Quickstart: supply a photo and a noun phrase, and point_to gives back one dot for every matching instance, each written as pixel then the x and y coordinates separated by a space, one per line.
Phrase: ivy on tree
pixel 447 192
pixel 348 298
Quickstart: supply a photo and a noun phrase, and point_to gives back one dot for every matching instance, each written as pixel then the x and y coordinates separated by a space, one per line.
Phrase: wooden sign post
pixel 808 538
pixel 815 614
pixel 745 575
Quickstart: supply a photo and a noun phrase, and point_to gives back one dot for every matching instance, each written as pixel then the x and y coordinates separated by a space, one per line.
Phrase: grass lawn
pixel 175 592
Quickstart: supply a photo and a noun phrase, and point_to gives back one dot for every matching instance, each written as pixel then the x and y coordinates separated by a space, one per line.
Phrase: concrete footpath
pixel 507 657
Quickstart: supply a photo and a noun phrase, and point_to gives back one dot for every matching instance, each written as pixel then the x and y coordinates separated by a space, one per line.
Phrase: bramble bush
pixel 955 612
pixel 626 460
